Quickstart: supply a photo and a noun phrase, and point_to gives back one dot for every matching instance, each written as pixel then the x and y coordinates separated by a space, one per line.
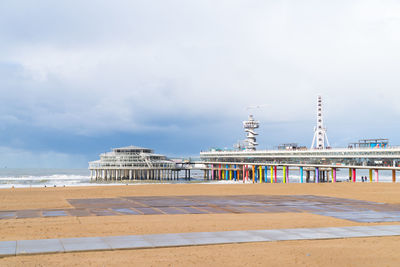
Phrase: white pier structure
pixel 371 154
pixel 134 163
pixel 262 165
pixel 362 157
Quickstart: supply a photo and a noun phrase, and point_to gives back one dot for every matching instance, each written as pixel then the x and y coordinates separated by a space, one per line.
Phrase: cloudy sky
pixel 79 77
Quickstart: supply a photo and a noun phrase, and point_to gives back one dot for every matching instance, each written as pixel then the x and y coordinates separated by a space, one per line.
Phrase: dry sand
pixel 383 251
pixel 366 252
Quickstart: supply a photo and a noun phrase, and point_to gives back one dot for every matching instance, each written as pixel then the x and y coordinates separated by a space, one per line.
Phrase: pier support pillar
pixel 275 174
pixel 272 174
pixel 393 176
pixel 334 175
pixel 350 174
pixel 284 174
pixel 354 175
pixel 301 174
pixel 253 173
pixel 376 176
pixel 317 175
pixel 370 175
pixel 287 174
pixel 260 174
pixel 265 174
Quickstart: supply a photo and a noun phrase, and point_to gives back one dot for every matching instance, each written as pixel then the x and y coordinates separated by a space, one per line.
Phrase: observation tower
pixel 249 126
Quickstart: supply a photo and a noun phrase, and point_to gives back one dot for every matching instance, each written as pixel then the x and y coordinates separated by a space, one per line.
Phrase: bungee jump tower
pixel 250 125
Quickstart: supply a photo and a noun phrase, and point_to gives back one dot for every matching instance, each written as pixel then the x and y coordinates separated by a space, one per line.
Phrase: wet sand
pixel 345 252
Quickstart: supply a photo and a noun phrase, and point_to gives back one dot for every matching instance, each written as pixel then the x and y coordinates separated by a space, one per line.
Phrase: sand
pixel 382 251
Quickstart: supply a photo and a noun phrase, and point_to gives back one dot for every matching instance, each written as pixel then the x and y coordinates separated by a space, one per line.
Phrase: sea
pixel 22 178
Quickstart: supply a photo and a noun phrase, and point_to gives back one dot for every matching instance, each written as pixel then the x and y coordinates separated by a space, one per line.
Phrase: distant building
pixel 370 143
pixel 133 163
pixel 291 146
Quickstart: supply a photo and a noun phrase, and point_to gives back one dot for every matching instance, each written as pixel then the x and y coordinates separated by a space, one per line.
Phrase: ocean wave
pixel 43 177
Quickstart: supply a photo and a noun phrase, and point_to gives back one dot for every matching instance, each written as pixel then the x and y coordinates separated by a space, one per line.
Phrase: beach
pixel 370 251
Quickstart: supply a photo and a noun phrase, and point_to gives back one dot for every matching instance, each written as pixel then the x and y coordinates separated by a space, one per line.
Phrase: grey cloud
pixel 92 66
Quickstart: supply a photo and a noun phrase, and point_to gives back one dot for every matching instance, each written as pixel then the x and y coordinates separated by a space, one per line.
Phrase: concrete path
pixel 341 208
pixel 44 246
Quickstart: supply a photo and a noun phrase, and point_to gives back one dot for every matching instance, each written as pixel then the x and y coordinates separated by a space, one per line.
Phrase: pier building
pixel 134 163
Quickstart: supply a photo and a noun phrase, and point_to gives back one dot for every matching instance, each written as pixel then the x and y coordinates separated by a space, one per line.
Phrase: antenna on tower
pixel 250 125
pixel 320 135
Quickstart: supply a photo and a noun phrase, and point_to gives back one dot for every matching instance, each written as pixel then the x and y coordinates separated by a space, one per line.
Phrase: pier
pixel 320 163
pixel 135 163
pixel 267 173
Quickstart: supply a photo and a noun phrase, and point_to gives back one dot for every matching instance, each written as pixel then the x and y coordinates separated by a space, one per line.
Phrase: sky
pixel 78 78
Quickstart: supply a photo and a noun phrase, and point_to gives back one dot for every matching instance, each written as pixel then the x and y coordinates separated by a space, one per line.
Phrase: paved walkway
pixel 43 246
pixel 348 209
